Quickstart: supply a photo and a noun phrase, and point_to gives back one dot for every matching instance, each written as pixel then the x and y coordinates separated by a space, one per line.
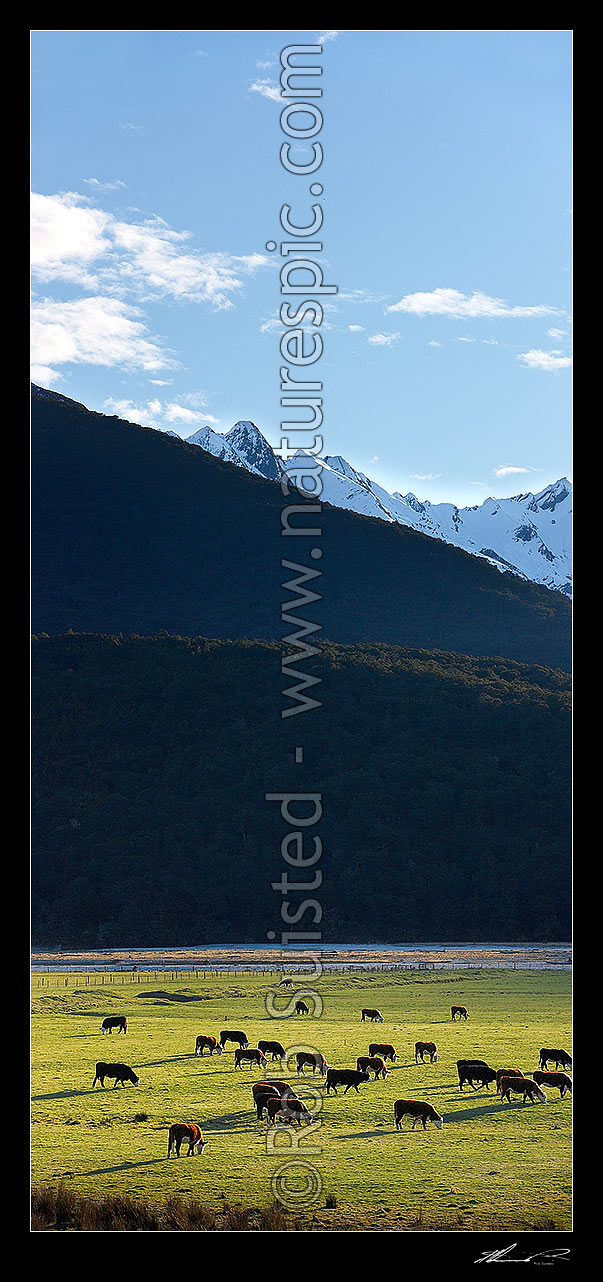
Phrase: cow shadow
pixel 126 1166
pixel 468 1114
pixel 365 1135
pixel 172 1059
pixel 65 1094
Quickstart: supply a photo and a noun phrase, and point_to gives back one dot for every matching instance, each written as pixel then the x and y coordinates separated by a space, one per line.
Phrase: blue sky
pixel 447 229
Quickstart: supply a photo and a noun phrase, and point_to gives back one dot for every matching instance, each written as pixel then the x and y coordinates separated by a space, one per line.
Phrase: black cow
pixel 374 1016
pixel 345 1077
pixel 419 1110
pixel 274 1049
pixel 114 1021
pixel 560 1057
pixel 233 1036
pixel 301 1008
pixel 121 1072
pixel 261 1097
pixel 476 1072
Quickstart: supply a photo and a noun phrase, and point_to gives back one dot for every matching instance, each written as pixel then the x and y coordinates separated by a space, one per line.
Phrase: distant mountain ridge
pixel 528 534
pixel 135 531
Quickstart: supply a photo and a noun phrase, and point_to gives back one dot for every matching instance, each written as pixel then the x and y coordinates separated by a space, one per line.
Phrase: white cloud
pixel 557 333
pixel 156 413
pixel 425 476
pixel 147 259
pixel 96 331
pixel 450 302
pixel 383 340
pixel 356 329
pixel 511 471
pixel 549 361
pixel 267 89
pixel 433 343
pixel 325 36
pixel 104 186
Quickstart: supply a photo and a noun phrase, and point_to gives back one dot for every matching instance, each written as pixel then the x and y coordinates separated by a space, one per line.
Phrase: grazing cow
pixel 521 1086
pixel 121 1072
pixel 229 1036
pixel 461 1011
pixel 419 1111
pixel 554 1079
pixel 274 1049
pixel 560 1057
pixel 114 1021
pixel 286 983
pixel 288 1110
pixel 475 1071
pixel 382 1049
pixel 506 1072
pixel 301 1008
pixel 426 1048
pixel 313 1059
pixel 366 1063
pixel 252 1055
pixel 188 1131
pixel 345 1077
pixel 212 1044
pixel 375 1016
pixel 281 1088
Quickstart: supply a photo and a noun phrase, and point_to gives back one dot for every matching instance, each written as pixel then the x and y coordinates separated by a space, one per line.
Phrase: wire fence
pixel 50 977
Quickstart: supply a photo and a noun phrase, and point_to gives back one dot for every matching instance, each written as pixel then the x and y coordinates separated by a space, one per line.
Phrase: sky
pixel 446 198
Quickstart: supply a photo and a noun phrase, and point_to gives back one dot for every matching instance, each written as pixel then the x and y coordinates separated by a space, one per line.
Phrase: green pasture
pixel 491 1166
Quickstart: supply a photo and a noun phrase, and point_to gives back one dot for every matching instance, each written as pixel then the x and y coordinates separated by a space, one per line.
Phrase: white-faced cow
pixel 211 1043
pixel 249 1055
pixel 233 1035
pixel 419 1111
pixel 384 1050
pixel 521 1086
pixel 426 1048
pixel 311 1059
pixel 114 1021
pixel 347 1077
pixel 556 1056
pixel 459 1011
pixel 185 1131
pixel 374 1016
pixel 372 1064
pixel 121 1072
pixel 274 1049
pixel 554 1079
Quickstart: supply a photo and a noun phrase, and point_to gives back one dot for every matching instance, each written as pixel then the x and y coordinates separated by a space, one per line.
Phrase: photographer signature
pixel 503 1256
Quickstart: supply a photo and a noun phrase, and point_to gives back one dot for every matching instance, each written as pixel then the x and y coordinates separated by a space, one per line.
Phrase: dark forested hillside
pixel 444 782
pixel 135 531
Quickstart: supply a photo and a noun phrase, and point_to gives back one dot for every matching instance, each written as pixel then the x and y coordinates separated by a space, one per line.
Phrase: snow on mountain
pixel 244 445
pixel 528 534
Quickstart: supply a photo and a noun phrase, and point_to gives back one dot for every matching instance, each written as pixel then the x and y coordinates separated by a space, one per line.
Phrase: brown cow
pixel 419 1111
pixel 426 1048
pixel 364 1063
pixel 554 1079
pixel 212 1044
pixel 288 1110
pixel 188 1131
pixel 461 1011
pixel 251 1054
pixel 521 1086
pixel 506 1072
pixel 384 1050
pixel 313 1059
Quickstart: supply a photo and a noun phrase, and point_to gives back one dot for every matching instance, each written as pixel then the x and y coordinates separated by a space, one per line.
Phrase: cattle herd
pixel 281 1105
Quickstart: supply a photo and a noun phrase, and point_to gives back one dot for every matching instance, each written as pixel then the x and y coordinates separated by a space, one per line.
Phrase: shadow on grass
pixel 125 1166
pixel 467 1114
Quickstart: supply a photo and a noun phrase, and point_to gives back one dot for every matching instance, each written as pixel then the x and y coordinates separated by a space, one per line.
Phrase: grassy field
pixel 492 1166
